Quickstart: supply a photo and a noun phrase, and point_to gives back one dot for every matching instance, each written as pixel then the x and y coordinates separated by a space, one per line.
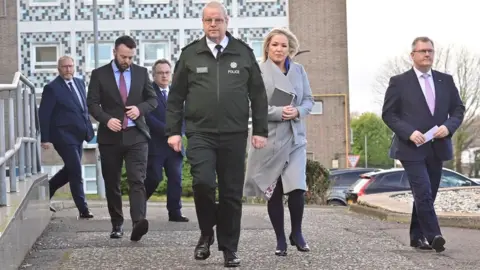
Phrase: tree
pixel 464 66
pixel 378 140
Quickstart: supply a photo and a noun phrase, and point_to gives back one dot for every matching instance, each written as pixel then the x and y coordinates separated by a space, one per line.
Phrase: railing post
pixel 3 184
pixel 33 132
pixel 26 133
pixel 11 139
pixel 20 134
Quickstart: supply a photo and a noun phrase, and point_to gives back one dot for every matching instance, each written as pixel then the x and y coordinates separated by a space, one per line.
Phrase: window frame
pixel 89 179
pixel 255 40
pixel 90 58
pixel 149 63
pixel 34 62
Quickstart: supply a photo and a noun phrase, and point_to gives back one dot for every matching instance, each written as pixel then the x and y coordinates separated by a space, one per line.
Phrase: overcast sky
pixel 382 29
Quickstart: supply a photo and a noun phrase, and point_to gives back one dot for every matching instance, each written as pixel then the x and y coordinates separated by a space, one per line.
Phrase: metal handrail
pixel 23 136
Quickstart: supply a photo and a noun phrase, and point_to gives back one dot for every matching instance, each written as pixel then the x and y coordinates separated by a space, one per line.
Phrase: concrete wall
pixel 8 41
pixel 321 27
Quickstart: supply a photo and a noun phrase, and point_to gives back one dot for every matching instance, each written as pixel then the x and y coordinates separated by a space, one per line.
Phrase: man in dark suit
pixel 65 124
pixel 120 94
pixel 415 102
pixel 160 154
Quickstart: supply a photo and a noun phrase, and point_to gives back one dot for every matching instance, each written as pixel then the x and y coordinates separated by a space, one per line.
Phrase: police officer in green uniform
pixel 215 82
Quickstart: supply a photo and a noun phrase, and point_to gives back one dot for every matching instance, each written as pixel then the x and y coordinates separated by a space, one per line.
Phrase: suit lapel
pixel 438 84
pixel 81 90
pixel 135 82
pixel 70 95
pixel 418 92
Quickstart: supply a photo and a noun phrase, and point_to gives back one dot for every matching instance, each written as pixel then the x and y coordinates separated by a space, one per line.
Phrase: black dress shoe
pixel 230 259
pixel 438 243
pixel 86 214
pixel 202 250
pixel 177 218
pixel 420 243
pixel 117 232
pixel 140 228
pixel 53 209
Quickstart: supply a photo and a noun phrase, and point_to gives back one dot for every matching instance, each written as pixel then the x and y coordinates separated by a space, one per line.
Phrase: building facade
pixel 35 33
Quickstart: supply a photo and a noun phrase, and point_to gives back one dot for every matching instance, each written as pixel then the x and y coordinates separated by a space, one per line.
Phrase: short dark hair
pixel 161 61
pixel 127 41
pixel 421 39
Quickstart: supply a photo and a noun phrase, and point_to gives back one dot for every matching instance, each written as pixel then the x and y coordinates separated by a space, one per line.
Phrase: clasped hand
pixel 289 113
pixel 418 138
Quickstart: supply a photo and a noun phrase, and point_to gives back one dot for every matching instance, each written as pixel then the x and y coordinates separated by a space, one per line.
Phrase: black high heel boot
pixel 281 250
pixel 304 248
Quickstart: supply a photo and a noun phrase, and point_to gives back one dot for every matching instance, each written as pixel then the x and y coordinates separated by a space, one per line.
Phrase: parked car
pixel 392 180
pixel 341 180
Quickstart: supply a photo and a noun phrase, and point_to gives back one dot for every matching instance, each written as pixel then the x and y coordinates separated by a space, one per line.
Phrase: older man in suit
pixel 415 102
pixel 120 94
pixel 160 154
pixel 65 124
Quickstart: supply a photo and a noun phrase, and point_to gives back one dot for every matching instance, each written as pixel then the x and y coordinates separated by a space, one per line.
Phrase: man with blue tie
pixel 160 154
pixel 417 101
pixel 65 124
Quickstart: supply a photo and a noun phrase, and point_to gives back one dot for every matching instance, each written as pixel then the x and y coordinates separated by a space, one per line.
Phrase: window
pixel 317 107
pixel 257 46
pixel 451 179
pixel 100 2
pixel 105 51
pixel 44 2
pixel 45 56
pixel 152 51
pixel 90 179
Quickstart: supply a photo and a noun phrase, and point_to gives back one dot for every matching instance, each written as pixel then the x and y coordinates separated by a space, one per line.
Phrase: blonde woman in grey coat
pixel 279 168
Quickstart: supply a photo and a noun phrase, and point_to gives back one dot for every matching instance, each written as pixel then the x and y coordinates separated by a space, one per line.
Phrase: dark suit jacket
pixel 63 120
pixel 105 102
pixel 405 110
pixel 158 145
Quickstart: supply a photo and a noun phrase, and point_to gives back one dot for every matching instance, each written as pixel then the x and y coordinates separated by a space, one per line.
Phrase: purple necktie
pixel 124 94
pixel 429 94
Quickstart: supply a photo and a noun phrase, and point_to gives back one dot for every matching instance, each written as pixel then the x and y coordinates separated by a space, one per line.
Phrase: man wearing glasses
pixel 423 108
pixel 160 155
pixel 216 77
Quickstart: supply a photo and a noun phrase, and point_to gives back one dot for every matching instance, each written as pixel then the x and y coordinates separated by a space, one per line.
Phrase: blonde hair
pixel 292 42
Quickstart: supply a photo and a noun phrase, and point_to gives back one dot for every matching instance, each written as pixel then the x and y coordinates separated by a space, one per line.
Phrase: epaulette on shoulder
pixel 245 44
pixel 191 43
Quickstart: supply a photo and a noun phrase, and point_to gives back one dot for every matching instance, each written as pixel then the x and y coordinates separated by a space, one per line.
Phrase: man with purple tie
pixel 160 154
pixel 120 94
pixel 416 102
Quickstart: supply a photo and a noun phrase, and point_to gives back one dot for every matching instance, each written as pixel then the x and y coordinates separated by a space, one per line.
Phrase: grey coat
pixel 285 154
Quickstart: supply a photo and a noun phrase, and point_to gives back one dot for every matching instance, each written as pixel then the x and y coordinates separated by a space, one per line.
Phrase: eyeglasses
pixel 424 51
pixel 216 21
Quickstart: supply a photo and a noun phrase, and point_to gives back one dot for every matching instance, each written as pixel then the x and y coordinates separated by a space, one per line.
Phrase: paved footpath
pixel 338 239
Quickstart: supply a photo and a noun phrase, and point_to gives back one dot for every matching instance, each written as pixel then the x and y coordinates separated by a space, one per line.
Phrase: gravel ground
pixel 460 201
pixel 339 240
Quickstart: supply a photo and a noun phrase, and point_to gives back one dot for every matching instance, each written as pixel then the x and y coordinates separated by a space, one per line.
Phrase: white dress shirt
pixel 211 45
pixel 421 80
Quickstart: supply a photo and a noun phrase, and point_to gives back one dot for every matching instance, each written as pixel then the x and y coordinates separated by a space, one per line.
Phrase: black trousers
pixel 134 152
pixel 219 156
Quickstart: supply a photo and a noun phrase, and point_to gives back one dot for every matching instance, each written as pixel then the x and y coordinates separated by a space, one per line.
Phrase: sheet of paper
pixel 429 135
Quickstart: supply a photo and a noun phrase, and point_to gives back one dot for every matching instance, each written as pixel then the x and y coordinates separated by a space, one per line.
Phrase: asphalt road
pixel 338 239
